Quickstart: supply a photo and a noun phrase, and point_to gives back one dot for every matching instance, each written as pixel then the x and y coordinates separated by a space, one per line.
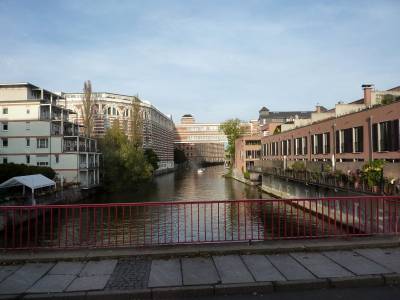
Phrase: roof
pixel 187 116
pixel 32 181
pixel 289 114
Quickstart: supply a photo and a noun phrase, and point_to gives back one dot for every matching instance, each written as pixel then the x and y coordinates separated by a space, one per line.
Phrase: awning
pixel 32 181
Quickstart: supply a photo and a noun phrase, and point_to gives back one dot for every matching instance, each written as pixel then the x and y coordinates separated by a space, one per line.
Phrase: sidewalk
pixel 147 277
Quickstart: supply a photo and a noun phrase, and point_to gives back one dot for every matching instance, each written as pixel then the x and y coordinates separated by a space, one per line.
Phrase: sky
pixel 215 59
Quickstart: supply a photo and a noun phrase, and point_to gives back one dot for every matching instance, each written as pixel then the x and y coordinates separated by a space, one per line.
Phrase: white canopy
pixel 31 181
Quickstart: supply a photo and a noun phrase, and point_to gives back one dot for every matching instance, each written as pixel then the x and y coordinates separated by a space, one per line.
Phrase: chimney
pixel 368 94
pixel 318 108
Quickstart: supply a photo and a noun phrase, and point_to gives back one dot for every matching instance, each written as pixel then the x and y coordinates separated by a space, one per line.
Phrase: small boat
pixel 200 171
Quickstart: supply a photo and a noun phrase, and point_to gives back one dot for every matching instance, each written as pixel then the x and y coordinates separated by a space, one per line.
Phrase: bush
pixel 152 158
pixel 11 170
pixel 298 166
pixel 179 156
pixel 246 175
pixel 372 172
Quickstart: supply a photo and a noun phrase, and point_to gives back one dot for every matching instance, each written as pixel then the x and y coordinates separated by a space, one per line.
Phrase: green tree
pixel 125 164
pixel 179 156
pixel 232 129
pixel 151 158
pixel 136 122
pixel 88 108
pixel 11 170
pixel 388 98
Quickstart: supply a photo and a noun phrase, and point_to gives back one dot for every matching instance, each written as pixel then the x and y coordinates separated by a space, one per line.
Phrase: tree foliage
pixel 179 156
pixel 232 129
pixel 152 158
pixel 136 122
pixel 88 108
pixel 11 170
pixel 125 164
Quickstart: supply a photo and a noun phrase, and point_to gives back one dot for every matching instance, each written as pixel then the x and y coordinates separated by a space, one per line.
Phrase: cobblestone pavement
pixel 130 274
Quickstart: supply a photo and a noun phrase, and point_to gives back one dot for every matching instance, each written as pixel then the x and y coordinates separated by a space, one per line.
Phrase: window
pixel 28 111
pixel 42 163
pixel 358 139
pixel 5 160
pixel 57 158
pixel 298 146
pixel 28 159
pixel 28 142
pixel 304 144
pixel 28 125
pixel 385 136
pixel 42 143
pixel 5 142
pixel 5 111
pixel 344 140
pixel 326 143
pixel 5 126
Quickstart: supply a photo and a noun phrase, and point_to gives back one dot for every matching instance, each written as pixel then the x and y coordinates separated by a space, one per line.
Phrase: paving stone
pixel 289 267
pixel 130 274
pixel 389 258
pixel 24 278
pixel 88 283
pixel 320 265
pixel 51 284
pixel 261 268
pixel 356 263
pixel 165 273
pixel 231 269
pixel 199 270
pixel 101 267
pixel 6 271
pixel 67 268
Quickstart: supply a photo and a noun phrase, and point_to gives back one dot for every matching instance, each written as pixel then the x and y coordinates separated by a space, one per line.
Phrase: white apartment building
pixel 36 130
pixel 158 128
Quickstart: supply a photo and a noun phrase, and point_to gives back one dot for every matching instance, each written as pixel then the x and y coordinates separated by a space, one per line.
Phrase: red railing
pixel 156 223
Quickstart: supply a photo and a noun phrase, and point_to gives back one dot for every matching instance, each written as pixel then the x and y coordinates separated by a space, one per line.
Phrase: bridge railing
pixel 159 223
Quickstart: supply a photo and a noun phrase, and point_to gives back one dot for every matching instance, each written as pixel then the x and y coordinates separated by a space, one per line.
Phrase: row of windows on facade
pixel 253 142
pixel 5 111
pixel 39 163
pixel 385 137
pixel 41 143
pixel 4 126
pixel 253 154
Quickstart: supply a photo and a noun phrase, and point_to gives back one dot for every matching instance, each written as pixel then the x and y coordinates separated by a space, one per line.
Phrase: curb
pixel 294 285
pixel 223 289
pixel 357 281
pixel 270 247
pixel 245 288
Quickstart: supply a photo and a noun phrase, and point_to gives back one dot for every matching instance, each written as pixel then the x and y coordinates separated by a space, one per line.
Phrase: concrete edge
pixel 182 291
pixel 199 250
pixel 294 285
pixel 357 281
pixel 223 289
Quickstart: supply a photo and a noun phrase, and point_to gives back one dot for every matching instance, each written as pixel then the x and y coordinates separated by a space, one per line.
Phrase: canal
pixel 185 185
pixel 181 218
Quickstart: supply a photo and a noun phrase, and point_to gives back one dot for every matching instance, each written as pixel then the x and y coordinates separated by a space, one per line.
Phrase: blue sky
pixel 215 59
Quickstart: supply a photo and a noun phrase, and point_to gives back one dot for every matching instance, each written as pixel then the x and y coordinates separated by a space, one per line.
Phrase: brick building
pixel 349 135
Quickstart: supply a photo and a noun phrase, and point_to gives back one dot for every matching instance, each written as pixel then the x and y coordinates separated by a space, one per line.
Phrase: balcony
pixel 81 144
